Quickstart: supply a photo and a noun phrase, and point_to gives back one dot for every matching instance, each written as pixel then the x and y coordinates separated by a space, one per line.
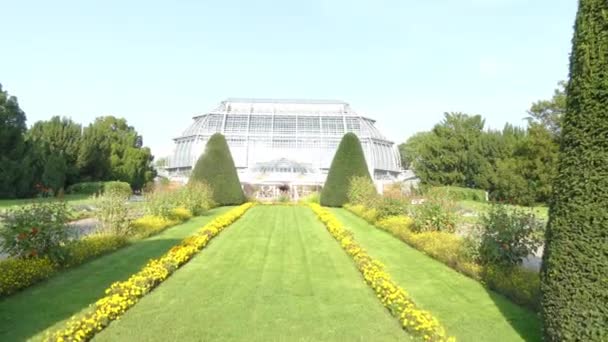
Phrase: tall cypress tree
pixel 348 162
pixel 575 264
pixel 216 168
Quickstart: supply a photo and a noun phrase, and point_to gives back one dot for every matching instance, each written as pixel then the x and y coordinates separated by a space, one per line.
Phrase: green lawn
pixel 463 305
pixel 71 199
pixel 31 311
pixel 274 275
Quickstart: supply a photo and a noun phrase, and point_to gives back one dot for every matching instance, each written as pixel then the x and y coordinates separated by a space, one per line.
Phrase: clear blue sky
pixel 401 62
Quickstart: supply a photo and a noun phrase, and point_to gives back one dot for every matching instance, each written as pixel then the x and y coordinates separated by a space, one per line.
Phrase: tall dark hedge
pixel 348 162
pixel 575 264
pixel 216 167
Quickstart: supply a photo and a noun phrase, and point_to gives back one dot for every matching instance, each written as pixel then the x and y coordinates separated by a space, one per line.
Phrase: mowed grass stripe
pixel 27 313
pixel 274 275
pixel 467 310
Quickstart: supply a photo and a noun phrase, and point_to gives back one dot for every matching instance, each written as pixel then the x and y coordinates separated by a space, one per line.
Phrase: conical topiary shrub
pixel 575 263
pixel 216 168
pixel 348 162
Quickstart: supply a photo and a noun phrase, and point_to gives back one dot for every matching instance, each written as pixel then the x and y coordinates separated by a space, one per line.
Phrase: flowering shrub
pixel 361 190
pixel 508 236
pixel 520 285
pixel 39 229
pixel 120 296
pixel 416 321
pixel 196 197
pixel 16 274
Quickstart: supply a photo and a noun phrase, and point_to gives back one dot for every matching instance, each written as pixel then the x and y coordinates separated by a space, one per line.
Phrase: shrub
pixel 112 213
pixel 197 197
pixel 391 207
pixel 361 190
pixel 434 214
pixel 349 161
pixel 160 203
pixel 120 188
pixel 311 198
pixel 508 236
pixel 86 188
pixel 216 168
pixel 36 230
pixel 284 199
pixel 181 214
pixel 456 193
pixel 520 285
pixel 16 274
pixel 79 251
pixel 150 224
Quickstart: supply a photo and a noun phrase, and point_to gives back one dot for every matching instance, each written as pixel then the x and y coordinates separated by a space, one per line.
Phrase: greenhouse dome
pixel 287 136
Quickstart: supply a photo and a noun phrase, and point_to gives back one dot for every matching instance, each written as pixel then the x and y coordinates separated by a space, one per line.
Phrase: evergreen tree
pixel 12 148
pixel 216 168
pixel 55 170
pixel 575 263
pixel 348 162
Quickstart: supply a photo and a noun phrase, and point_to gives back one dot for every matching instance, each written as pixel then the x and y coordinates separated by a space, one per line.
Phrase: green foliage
pixel 197 197
pixel 435 214
pixel 391 207
pixel 361 190
pixel 111 149
pixel 508 236
pixel 122 189
pixel 549 113
pixel 88 247
pixel 57 136
pixel 457 193
pixel 14 180
pixel 349 161
pixel 86 188
pixel 39 229
pixel 113 213
pixel 314 197
pixel 216 168
pixel 513 165
pixel 575 262
pixel 54 174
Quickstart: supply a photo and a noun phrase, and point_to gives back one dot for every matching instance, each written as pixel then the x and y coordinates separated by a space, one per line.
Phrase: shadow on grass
pixel 29 312
pixel 523 320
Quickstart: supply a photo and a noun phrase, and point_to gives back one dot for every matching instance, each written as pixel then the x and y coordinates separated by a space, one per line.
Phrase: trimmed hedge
pixel 349 161
pixel 520 285
pixel 216 168
pixel 456 193
pixel 575 262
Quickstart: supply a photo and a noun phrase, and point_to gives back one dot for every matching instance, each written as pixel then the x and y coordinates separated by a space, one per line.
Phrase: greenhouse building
pixel 286 144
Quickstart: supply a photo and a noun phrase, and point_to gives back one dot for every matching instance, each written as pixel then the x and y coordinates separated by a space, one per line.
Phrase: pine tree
pixel 348 162
pixel 216 168
pixel 575 263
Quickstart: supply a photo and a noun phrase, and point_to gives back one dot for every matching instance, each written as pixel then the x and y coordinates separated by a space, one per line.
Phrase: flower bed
pixel 17 274
pixel 418 322
pixel 120 296
pixel 518 284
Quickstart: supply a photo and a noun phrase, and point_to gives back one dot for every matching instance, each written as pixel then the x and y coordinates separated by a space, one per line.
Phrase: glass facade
pixel 304 131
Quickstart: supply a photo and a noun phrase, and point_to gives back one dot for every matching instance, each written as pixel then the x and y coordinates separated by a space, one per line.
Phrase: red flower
pixel 34 231
pixel 33 253
pixel 21 236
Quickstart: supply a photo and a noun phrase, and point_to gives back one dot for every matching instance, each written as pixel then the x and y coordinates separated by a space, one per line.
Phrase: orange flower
pixel 34 230
pixel 21 236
